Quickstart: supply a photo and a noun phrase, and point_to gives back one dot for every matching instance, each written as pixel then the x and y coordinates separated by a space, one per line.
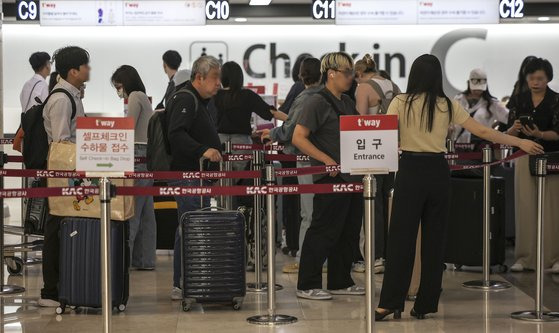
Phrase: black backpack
pixel 35 141
pixel 158 147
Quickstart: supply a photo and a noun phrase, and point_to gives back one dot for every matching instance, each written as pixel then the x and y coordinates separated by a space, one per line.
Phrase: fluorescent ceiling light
pixel 544 19
pixel 259 2
pixel 241 19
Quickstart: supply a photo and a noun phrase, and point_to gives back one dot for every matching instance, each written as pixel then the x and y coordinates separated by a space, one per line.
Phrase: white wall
pixel 500 53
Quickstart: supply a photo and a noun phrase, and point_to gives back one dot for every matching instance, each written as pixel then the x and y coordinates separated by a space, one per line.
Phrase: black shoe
pixel 380 316
pixel 419 316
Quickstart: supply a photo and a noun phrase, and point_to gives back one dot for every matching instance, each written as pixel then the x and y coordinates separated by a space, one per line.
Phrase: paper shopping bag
pixel 62 156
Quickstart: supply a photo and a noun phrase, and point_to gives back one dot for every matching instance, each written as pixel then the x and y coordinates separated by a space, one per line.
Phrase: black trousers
pixel 332 235
pixel 291 211
pixel 51 250
pixel 421 193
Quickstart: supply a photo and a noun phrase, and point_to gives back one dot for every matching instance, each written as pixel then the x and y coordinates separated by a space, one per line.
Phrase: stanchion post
pixel 228 200
pixel 369 190
pixel 538 315
pixel 257 161
pixel 106 294
pixel 486 284
pixel 4 289
pixel 271 318
pixel 451 150
pixel 258 286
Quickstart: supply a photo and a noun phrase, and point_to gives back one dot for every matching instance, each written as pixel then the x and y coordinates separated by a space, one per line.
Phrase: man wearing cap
pixel 483 107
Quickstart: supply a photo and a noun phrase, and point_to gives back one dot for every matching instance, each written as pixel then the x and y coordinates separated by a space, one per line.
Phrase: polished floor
pixel 151 310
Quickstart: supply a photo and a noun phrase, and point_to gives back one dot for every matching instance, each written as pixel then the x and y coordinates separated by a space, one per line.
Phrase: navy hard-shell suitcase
pixel 213 257
pixel 80 263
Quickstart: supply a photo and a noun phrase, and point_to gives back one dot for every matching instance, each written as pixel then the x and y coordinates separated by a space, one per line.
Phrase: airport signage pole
pixel 369 147
pixel 105 148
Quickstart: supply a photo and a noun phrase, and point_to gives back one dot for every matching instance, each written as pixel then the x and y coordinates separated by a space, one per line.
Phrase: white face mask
pixel 120 93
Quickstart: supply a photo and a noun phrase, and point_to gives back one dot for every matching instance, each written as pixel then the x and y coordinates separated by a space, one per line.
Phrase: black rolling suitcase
pixel 166 219
pixel 80 263
pixel 464 244
pixel 213 257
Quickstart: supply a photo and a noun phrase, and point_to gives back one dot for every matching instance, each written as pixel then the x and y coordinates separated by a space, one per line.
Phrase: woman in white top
pixel 481 106
pixel 129 85
pixel 374 93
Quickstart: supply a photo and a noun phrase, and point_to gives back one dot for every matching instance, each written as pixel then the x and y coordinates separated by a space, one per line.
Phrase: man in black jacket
pixel 192 135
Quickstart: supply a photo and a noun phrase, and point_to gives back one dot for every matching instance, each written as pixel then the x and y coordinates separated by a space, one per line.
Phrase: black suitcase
pixel 166 219
pixel 213 257
pixel 80 263
pixel 464 238
pixel 36 210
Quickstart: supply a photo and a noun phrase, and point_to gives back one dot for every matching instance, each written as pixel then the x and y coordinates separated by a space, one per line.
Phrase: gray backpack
pixel 385 98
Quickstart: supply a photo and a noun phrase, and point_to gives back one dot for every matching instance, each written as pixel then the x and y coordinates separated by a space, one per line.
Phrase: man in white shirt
pixel 37 86
pixel 72 64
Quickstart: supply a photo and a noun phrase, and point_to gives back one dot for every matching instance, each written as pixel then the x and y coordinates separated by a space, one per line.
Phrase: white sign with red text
pixel 105 144
pixel 369 142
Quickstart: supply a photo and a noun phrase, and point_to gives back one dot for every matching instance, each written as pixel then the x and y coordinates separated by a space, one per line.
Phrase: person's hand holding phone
pixel 532 131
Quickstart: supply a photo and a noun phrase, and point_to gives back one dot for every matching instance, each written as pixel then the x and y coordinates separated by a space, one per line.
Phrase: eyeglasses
pixel 347 73
pixel 478 81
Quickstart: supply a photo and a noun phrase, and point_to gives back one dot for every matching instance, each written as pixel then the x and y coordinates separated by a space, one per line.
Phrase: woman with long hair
pixel 421 191
pixel 129 86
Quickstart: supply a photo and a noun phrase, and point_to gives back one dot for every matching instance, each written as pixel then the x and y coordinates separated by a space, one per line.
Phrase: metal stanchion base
pixel 533 316
pixel 272 320
pixel 486 285
pixel 263 287
pixel 9 290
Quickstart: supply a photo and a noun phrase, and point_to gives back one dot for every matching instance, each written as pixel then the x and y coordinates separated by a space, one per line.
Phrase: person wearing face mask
pixel 129 85
pixel 481 105
pixel 534 115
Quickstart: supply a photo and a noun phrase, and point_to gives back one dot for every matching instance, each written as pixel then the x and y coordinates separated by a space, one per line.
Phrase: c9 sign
pixel 27 10
pixel 217 9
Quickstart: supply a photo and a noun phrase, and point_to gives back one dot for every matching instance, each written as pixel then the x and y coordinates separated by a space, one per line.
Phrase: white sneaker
pixel 517 267
pixel 48 303
pixel 176 294
pixel 555 268
pixel 314 294
pixel 359 267
pixel 353 290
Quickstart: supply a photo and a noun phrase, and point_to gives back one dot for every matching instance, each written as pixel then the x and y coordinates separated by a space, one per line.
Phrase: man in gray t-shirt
pixel 337 217
pixel 322 120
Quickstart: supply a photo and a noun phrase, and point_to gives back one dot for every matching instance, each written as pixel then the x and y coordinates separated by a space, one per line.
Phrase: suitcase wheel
pixel 121 308
pixel 60 310
pixel 186 306
pixel 237 303
pixel 14 265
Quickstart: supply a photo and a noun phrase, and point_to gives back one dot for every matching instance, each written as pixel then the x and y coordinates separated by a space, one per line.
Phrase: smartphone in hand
pixel 527 121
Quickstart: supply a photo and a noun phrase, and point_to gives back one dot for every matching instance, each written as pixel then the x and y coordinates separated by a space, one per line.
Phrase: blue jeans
pixel 143 230
pixel 184 204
